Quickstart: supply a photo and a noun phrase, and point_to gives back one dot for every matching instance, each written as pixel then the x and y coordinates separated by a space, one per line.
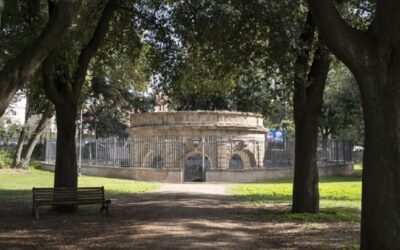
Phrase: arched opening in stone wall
pixel 247 160
pixel 153 160
pixel 251 158
pixel 236 162
pixel 194 167
pixel 157 162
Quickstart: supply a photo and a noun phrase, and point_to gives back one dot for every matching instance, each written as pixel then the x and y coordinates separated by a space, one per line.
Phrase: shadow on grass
pixel 285 198
pixel 264 198
pixel 10 194
pixel 26 194
pixel 331 213
pixel 334 214
pixel 356 177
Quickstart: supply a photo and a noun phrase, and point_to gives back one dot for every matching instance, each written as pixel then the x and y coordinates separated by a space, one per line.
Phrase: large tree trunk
pixel 65 94
pixel 307 101
pixel 33 140
pixel 380 224
pixel 373 57
pixel 66 166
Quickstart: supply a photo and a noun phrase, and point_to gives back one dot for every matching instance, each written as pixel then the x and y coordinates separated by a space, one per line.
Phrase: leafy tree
pixel 64 74
pixel 372 57
pixel 222 55
pixel 112 102
pixel 8 130
pixel 121 75
pixel 342 111
pixel 246 56
pixel 21 57
pixel 36 105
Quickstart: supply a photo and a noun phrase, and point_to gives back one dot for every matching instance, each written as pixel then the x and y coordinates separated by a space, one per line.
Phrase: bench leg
pixel 108 204
pixel 37 212
pixel 105 207
pixel 102 208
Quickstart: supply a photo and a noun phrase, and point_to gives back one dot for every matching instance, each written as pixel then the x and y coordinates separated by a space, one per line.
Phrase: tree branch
pixel 1 9
pixel 319 73
pixel 304 45
pixel 20 68
pixel 306 41
pixel 49 83
pixel 89 51
pixel 348 43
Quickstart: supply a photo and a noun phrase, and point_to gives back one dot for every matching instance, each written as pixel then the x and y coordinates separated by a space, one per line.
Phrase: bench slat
pixel 69 196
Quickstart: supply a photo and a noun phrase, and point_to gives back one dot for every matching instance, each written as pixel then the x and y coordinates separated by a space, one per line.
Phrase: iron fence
pixel 329 152
pixel 210 152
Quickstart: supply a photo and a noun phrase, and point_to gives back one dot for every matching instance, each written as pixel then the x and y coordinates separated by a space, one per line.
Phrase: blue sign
pixel 276 136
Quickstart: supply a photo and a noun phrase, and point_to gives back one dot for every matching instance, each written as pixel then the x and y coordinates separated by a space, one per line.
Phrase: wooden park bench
pixel 68 196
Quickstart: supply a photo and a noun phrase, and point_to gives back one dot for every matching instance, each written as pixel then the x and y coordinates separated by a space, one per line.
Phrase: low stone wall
pixel 251 175
pixel 214 175
pixel 140 174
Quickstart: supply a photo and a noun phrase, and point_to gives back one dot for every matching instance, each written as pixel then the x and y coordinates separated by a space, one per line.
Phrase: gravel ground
pixel 177 216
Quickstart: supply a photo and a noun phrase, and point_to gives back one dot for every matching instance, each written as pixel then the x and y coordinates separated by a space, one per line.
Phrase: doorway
pixel 194 168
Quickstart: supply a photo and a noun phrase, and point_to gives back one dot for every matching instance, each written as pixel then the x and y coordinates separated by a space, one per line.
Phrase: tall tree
pixel 37 105
pixel 20 67
pixel 21 139
pixel 227 55
pixel 34 137
pixel 309 84
pixel 64 74
pixel 373 57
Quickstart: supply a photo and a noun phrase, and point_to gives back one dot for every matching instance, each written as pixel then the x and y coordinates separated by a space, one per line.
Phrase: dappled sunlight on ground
pixel 167 220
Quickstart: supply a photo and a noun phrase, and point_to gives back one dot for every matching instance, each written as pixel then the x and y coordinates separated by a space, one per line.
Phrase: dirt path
pixel 177 216
pixel 191 188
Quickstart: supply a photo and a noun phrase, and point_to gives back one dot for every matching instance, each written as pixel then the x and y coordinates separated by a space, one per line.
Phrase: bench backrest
pixel 81 193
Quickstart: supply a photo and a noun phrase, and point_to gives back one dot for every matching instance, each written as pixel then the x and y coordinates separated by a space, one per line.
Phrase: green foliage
pixel 21 22
pixel 285 124
pixel 233 55
pixel 8 130
pixel 342 115
pixel 37 101
pixel 326 215
pixel 340 197
pixel 115 93
pixel 18 185
pixel 5 157
pixel 119 77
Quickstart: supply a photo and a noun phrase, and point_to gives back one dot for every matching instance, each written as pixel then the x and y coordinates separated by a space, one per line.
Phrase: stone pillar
pixel 222 156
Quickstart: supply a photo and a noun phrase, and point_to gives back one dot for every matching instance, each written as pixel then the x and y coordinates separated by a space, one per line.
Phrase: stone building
pixel 196 142
pixel 212 146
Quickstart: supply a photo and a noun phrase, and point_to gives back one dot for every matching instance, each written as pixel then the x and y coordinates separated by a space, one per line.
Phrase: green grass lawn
pixel 18 184
pixel 340 197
